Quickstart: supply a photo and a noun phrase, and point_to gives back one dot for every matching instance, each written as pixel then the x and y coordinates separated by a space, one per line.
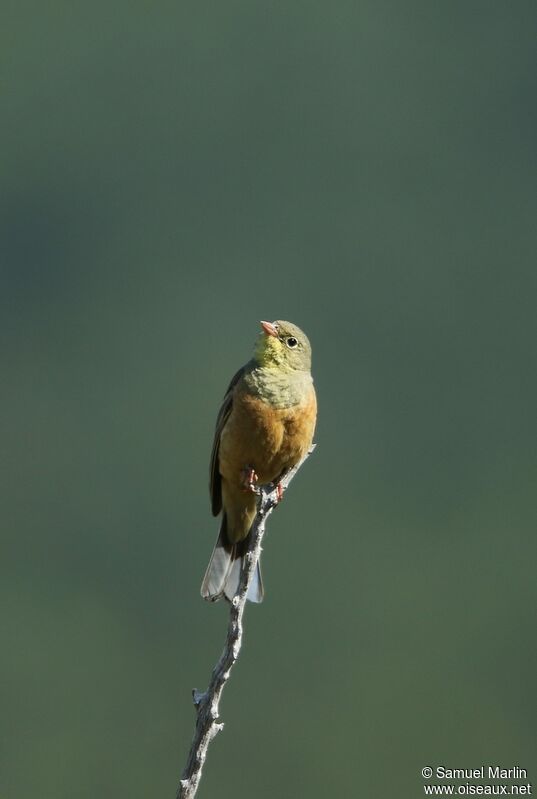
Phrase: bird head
pixel 283 346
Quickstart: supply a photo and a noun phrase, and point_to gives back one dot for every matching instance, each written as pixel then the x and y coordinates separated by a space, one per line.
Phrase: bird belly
pixel 265 439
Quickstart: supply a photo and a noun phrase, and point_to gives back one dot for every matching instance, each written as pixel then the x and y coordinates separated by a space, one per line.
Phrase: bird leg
pixel 249 480
pixel 278 485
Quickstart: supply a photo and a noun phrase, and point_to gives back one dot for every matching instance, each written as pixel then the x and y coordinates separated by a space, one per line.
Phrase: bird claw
pixel 249 480
pixel 279 492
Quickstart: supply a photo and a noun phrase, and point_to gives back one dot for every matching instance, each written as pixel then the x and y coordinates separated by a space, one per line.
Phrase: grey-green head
pixel 284 347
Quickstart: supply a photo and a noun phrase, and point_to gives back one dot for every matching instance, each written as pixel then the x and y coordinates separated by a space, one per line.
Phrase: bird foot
pixel 279 492
pixel 249 480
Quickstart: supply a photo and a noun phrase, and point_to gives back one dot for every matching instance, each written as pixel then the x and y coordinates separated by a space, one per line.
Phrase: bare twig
pixel 207 702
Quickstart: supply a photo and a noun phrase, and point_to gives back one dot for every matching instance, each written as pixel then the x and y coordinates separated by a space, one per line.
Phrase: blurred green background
pixel 170 174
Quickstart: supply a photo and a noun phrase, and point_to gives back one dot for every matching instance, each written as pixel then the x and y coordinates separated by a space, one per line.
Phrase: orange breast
pixel 268 439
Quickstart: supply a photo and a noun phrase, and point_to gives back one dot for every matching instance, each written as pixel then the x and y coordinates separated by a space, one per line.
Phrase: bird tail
pixel 224 570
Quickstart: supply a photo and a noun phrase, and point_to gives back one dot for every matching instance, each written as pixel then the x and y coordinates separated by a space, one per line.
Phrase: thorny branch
pixel 207 702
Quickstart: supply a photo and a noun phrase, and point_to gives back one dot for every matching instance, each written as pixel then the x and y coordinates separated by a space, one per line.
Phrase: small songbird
pixel 265 426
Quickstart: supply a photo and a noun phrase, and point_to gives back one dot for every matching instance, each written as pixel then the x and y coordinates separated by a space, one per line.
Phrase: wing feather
pixel 215 482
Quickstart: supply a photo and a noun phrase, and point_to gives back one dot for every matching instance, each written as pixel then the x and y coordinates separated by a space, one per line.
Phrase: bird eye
pixel 291 342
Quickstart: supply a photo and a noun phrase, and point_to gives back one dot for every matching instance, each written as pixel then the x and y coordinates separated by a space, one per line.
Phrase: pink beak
pixel 270 329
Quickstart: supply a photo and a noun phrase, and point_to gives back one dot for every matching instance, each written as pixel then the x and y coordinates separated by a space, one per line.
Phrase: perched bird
pixel 265 426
